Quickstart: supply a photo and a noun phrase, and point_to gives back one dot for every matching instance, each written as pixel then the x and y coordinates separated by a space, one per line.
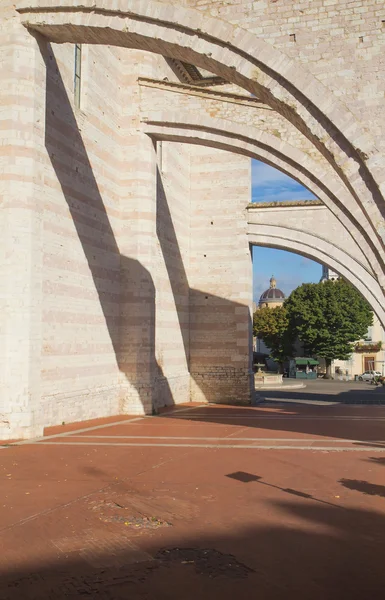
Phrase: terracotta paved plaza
pixel 272 502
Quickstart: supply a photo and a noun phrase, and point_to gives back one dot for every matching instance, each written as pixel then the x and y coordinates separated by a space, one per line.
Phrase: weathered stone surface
pixel 125 263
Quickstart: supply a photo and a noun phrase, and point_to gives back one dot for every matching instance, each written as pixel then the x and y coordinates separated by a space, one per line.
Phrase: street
pixel 328 391
pixel 202 501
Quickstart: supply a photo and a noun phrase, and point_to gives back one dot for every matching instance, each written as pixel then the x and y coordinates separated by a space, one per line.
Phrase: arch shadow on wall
pixel 244 59
pixel 133 346
pixel 301 242
pixel 217 133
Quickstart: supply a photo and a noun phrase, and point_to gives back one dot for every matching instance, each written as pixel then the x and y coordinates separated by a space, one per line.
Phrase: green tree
pixel 272 326
pixel 328 317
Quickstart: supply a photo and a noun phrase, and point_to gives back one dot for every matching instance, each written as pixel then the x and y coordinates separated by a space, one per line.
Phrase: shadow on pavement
pixel 372 395
pixel 364 487
pixel 379 460
pixel 250 478
pixel 331 422
pixel 312 551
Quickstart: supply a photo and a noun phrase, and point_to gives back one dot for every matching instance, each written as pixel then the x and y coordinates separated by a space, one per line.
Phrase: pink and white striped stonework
pixel 125 254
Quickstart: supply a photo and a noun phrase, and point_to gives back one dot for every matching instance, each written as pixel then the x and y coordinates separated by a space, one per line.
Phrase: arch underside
pixel 311 246
pixel 245 60
pixel 283 146
pixel 307 243
pixel 264 147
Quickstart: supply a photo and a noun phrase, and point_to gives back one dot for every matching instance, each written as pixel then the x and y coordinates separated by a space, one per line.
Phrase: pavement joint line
pixel 221 446
pixel 67 433
pixel 237 439
pixel 179 410
pixel 94 428
pixel 238 431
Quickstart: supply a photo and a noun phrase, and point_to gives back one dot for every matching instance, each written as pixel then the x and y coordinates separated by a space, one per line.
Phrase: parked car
pixel 369 375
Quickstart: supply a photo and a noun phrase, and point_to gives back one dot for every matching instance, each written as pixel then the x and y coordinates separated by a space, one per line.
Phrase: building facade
pixel 120 268
pixel 126 136
pixel 270 298
pixel 369 352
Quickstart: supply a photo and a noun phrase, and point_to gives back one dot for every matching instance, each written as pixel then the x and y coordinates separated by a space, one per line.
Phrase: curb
pixel 294 386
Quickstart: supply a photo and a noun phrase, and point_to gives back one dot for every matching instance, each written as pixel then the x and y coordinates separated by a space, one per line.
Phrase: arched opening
pixel 310 246
pixel 284 209
pixel 241 58
pixel 127 276
pixel 291 268
pixel 93 164
pixel 235 142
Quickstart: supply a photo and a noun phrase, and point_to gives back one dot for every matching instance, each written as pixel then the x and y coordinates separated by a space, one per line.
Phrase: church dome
pixel 273 294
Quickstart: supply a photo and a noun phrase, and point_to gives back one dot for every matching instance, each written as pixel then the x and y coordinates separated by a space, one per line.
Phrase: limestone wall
pixel 252 60
pixel 172 319
pixel 218 105
pixel 126 275
pixel 21 135
pixel 97 274
pixel 220 278
pixel 81 220
pixel 341 42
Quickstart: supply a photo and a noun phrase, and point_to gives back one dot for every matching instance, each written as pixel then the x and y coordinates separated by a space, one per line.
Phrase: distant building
pixel 368 355
pixel 272 297
pixel 369 352
pixel 328 274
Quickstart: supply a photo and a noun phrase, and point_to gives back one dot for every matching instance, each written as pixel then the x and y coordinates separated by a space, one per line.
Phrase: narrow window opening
pixel 293 37
pixel 78 74
pixel 361 39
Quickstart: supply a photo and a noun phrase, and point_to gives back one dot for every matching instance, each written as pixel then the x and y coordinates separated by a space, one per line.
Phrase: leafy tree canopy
pixel 328 317
pixel 272 326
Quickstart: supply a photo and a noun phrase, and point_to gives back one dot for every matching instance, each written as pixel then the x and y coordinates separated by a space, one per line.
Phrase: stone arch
pixel 265 147
pixel 262 146
pixel 241 58
pixel 321 250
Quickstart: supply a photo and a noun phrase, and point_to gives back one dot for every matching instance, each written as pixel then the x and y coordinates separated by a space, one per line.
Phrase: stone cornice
pixel 197 90
pixel 284 204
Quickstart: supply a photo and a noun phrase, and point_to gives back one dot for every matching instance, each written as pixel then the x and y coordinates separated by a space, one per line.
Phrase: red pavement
pixel 208 502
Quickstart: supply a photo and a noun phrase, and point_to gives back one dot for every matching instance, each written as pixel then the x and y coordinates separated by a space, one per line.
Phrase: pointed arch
pixel 241 58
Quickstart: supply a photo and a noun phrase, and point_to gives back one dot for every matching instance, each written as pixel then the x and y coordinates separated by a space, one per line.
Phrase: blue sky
pixel 289 269
pixel 269 184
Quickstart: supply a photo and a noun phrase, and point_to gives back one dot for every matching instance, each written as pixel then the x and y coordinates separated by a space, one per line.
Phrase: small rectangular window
pixel 78 74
